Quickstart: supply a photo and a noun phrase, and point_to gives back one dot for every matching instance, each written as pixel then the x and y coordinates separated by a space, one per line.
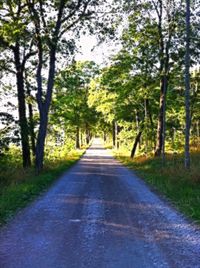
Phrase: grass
pixel 181 187
pixel 19 187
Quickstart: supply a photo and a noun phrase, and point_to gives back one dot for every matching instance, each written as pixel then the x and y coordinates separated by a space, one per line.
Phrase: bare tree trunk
pixel 104 136
pixel 116 135
pixel 31 121
pixel 44 105
pixel 137 121
pixel 137 140
pixel 164 73
pixel 22 109
pixel 197 127
pixel 187 87
pixel 87 132
pixel 44 100
pixel 113 134
pixel 82 142
pixel 159 137
pixel 77 138
pixel 31 129
pixel 164 116
pixel 41 141
pixel 146 124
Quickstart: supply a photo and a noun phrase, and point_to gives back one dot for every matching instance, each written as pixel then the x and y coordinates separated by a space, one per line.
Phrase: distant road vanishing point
pixel 99 214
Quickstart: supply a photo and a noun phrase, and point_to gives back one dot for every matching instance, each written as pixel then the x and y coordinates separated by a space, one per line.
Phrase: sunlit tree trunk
pixel 187 87
pixel 136 142
pixel 113 134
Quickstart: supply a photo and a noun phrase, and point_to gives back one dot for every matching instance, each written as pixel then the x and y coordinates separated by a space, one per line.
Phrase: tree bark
pixel 164 73
pixel 44 105
pixel 41 141
pixel 113 134
pixel 24 131
pixel 77 138
pixel 187 87
pixel 104 136
pixel 31 121
pixel 87 132
pixel 116 135
pixel 159 135
pixel 31 129
pixel 137 140
pixel 53 35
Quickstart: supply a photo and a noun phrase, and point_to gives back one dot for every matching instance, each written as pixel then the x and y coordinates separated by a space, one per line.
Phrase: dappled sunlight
pixel 99 174
pixel 133 227
pixel 98 153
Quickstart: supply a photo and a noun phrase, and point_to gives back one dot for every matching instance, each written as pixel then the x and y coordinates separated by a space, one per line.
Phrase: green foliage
pixel 8 132
pixel 70 108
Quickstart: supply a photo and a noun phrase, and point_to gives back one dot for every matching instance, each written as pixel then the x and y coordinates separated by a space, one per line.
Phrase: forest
pixel 143 101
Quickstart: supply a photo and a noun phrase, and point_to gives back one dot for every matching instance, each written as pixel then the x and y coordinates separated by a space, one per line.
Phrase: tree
pixel 52 20
pixel 187 86
pixel 16 37
pixel 70 99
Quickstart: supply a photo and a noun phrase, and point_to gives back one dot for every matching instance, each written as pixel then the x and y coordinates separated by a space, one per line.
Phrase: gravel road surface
pixel 99 214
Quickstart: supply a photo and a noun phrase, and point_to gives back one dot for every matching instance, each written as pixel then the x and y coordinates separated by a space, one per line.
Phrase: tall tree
pixel 15 36
pixel 187 86
pixel 70 98
pixel 52 20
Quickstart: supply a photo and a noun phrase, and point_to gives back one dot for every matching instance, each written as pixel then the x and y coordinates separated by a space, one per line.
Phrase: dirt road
pixel 99 215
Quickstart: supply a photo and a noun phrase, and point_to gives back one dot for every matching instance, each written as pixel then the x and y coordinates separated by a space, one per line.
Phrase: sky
pixel 90 51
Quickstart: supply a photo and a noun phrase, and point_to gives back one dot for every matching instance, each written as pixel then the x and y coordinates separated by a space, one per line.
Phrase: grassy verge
pixel 178 185
pixel 24 186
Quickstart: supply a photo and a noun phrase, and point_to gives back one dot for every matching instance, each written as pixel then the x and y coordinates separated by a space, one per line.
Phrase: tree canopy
pixel 146 99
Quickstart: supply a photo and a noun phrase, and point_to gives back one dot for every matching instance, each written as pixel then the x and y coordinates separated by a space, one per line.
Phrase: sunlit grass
pixel 19 187
pixel 182 187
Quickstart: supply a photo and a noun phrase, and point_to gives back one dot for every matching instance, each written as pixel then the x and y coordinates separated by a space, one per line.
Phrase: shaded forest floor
pixel 18 186
pixel 178 185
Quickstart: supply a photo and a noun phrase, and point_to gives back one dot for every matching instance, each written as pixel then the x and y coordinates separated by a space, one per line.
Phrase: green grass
pixel 23 186
pixel 181 187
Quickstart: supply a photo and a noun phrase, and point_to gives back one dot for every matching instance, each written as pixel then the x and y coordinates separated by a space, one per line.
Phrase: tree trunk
pixel 113 134
pixel 197 128
pixel 87 132
pixel 137 121
pixel 104 136
pixel 116 136
pixel 164 73
pixel 160 138
pixel 137 140
pixel 146 124
pixel 44 105
pixel 41 141
pixel 31 122
pixel 187 88
pixel 22 109
pixel 82 142
pixel 31 129
pixel 77 138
